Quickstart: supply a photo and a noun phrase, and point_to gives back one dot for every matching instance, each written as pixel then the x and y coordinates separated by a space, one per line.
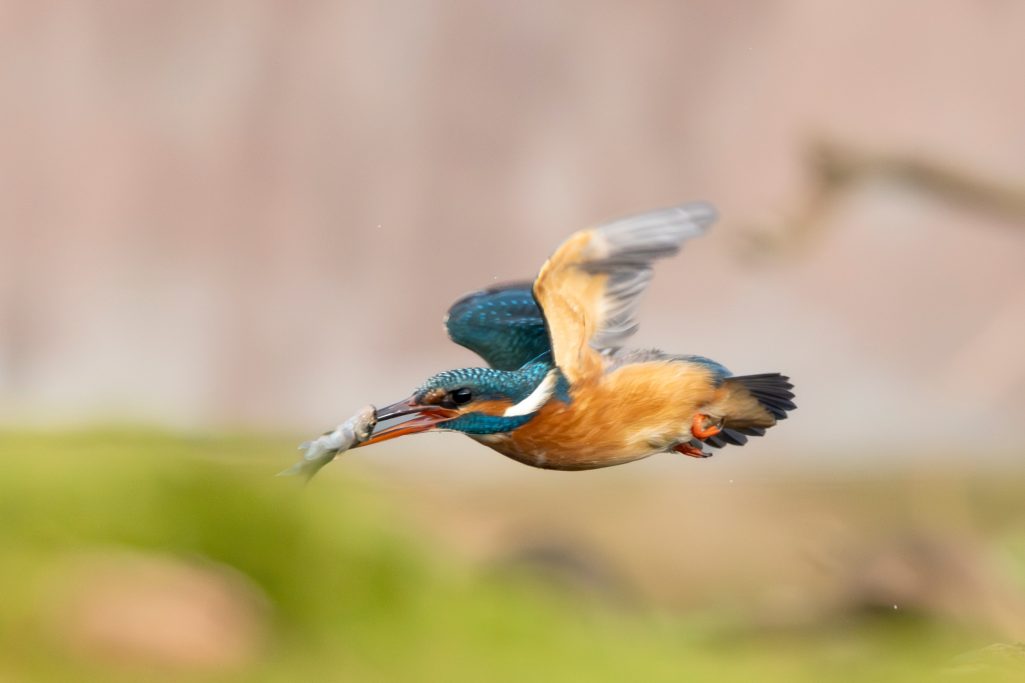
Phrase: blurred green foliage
pixel 353 595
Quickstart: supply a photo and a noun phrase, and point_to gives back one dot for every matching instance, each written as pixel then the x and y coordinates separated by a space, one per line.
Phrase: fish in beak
pixel 425 417
pixel 322 450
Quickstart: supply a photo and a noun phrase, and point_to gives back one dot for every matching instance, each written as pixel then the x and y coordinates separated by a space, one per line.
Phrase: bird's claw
pixel 691 450
pixel 705 426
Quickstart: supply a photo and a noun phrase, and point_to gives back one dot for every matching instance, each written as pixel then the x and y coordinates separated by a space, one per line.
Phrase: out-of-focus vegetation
pixel 129 555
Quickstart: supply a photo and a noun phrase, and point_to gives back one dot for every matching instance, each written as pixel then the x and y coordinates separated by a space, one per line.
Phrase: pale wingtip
pixel 701 212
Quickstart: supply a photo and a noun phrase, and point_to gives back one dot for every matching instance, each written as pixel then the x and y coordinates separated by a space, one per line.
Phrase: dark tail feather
pixel 753 404
pixel 771 390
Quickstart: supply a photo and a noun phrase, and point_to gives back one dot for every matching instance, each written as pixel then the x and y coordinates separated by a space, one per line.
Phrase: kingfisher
pixel 560 390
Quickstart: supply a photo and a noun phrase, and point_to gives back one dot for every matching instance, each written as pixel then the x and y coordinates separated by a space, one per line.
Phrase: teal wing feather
pixel 502 324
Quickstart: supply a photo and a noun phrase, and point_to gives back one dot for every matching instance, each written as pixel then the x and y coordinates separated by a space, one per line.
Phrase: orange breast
pixel 628 414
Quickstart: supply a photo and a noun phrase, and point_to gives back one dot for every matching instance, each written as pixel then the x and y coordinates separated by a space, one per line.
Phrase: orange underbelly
pixel 637 411
pixel 565 455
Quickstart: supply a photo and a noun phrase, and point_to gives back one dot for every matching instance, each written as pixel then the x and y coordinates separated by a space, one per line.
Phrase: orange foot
pixel 691 450
pixel 703 427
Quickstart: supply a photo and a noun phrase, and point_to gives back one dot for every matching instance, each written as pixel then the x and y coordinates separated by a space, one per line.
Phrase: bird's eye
pixel 461 396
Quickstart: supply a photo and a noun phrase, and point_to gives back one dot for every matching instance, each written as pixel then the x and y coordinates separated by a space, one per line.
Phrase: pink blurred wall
pixel 222 213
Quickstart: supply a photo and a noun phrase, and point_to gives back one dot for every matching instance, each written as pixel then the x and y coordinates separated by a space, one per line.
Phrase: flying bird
pixel 561 391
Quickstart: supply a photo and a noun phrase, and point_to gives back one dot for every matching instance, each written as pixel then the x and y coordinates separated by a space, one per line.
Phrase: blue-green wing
pixel 502 324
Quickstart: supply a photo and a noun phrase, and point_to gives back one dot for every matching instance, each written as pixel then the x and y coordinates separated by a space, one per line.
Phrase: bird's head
pixel 472 400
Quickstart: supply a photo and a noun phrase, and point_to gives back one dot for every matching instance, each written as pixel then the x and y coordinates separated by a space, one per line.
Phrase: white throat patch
pixel 536 399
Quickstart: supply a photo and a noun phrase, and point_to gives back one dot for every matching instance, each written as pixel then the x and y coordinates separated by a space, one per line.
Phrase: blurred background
pixel 225 226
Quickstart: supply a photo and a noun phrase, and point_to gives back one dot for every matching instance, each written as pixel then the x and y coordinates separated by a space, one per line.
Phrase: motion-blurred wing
pixel 589 288
pixel 503 325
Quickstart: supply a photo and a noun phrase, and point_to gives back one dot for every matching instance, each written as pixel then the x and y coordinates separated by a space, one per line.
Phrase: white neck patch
pixel 536 399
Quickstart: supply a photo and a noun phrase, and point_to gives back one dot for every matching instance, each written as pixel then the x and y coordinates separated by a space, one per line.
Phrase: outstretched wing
pixel 503 325
pixel 589 288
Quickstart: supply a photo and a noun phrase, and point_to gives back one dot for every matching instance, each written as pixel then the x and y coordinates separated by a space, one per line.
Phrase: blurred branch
pixel 837 170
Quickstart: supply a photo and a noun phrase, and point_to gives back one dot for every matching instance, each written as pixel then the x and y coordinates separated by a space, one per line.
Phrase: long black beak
pixel 426 417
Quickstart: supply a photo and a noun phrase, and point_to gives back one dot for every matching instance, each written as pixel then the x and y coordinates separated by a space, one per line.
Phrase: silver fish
pixel 325 448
